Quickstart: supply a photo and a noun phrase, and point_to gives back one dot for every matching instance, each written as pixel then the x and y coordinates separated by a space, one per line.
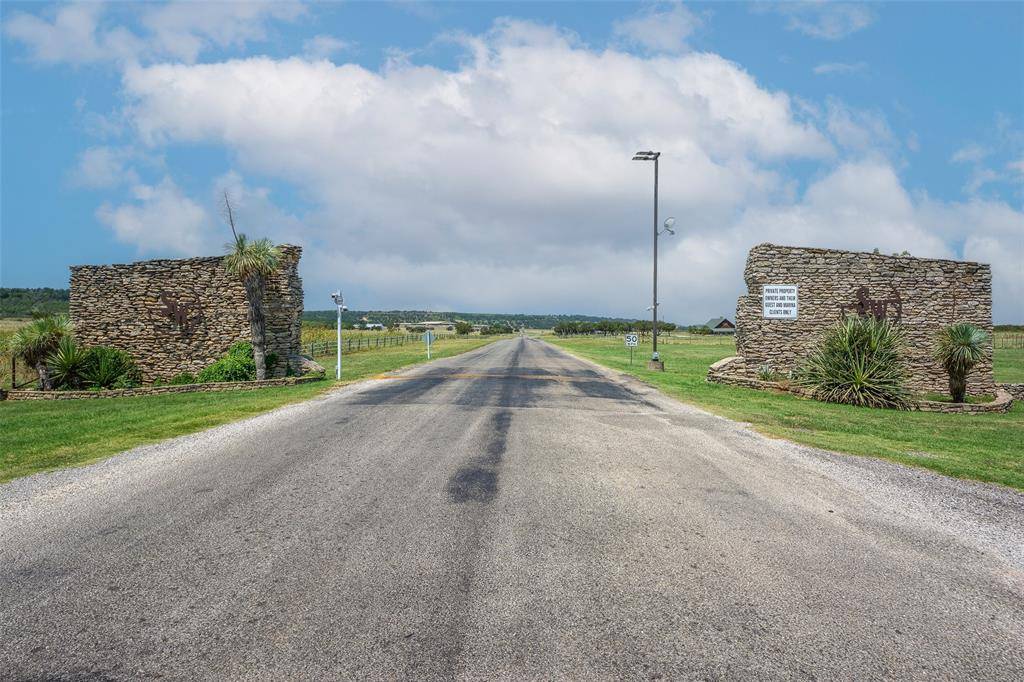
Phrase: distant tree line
pixel 16 302
pixel 390 318
pixel 608 327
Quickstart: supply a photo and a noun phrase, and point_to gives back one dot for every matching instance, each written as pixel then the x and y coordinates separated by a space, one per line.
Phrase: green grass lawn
pixel 40 435
pixel 986 447
pixel 1008 365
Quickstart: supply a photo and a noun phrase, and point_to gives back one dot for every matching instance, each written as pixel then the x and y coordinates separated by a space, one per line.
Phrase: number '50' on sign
pixel 632 340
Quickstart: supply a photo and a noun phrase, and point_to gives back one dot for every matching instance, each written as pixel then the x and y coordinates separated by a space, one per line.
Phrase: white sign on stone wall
pixel 780 301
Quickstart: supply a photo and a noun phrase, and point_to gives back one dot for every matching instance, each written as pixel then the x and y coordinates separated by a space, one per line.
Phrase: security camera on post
pixel 339 300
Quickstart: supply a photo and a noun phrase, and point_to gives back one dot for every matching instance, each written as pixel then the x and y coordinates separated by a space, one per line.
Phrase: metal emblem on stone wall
pixel 882 308
pixel 184 314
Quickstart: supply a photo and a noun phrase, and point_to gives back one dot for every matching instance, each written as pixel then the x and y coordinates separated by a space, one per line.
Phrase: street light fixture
pixel 655 362
pixel 339 301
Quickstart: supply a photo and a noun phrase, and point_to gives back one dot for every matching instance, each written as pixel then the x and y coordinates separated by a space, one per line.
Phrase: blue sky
pixel 475 156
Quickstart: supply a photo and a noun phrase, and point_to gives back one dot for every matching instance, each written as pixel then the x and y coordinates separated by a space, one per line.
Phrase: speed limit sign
pixel 632 340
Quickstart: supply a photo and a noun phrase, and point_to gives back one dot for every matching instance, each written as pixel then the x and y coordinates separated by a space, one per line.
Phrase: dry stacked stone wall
pixel 177 316
pixel 924 295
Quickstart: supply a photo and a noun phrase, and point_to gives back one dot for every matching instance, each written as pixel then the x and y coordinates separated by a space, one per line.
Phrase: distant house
pixel 433 325
pixel 373 325
pixel 721 325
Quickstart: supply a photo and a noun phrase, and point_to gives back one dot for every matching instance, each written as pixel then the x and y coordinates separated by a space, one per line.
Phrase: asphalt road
pixel 510 513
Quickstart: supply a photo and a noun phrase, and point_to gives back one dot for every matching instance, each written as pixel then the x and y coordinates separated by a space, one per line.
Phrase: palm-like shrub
pixel 959 348
pixel 36 341
pixel 67 363
pixel 858 362
pixel 252 262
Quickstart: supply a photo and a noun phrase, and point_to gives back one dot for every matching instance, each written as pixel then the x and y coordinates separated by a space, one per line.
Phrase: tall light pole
pixel 339 301
pixel 655 362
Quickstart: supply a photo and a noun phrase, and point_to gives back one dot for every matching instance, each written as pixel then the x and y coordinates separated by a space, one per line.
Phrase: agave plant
pixel 858 362
pixel 67 363
pixel 252 262
pixel 959 348
pixel 36 341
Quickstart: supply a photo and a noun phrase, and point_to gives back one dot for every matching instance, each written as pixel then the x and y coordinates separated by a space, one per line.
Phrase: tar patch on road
pixel 477 480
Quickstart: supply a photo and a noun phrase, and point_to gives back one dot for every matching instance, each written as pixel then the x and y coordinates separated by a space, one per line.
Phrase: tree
pixel 252 262
pixel 959 348
pixel 36 341
pixel 463 328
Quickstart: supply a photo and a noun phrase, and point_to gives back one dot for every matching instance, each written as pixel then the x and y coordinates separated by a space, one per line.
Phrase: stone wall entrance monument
pixel 177 316
pixel 795 294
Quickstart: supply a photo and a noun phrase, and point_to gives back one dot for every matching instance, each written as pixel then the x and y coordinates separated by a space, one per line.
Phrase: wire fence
pixel 364 343
pixel 1011 341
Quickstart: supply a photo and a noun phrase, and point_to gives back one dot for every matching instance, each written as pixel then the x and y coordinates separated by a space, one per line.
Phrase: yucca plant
pixel 36 341
pixel 959 348
pixel 252 262
pixel 67 363
pixel 858 362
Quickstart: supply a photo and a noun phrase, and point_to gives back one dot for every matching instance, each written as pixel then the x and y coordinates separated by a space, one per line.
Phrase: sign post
pixel 428 338
pixel 631 342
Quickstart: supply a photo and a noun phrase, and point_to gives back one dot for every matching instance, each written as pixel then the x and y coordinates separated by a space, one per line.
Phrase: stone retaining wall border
pixel 217 387
pixel 725 372
pixel 1016 390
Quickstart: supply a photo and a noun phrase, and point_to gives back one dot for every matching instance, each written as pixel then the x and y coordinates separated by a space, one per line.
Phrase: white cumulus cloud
pixel 506 183
pixel 325 46
pixel 162 219
pixel 659 29
pixel 83 33
pixel 823 19
pixel 104 167
pixel 839 68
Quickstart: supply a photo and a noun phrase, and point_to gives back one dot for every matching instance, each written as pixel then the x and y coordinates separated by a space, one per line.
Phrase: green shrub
pixel 241 349
pixel 858 362
pixel 67 364
pixel 182 379
pixel 126 381
pixel 236 365
pixel 107 367
pixel 228 368
pixel 959 348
